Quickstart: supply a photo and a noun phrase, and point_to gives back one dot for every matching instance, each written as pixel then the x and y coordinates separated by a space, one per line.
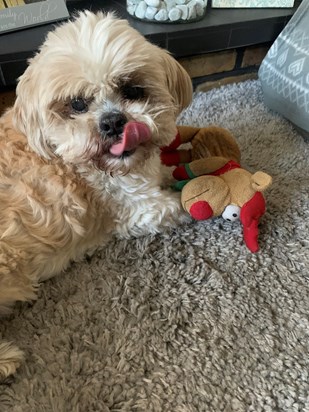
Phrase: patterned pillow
pixel 284 72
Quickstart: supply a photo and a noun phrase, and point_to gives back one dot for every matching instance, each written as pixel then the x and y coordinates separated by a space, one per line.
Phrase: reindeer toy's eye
pixel 231 213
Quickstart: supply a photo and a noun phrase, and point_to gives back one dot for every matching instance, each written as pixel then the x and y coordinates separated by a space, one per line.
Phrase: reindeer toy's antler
pixel 212 181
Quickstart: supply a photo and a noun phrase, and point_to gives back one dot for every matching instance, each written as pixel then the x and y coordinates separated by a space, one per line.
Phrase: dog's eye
pixel 79 105
pixel 133 92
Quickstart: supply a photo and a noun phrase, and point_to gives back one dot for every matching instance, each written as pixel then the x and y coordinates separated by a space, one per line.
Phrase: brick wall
pixel 216 69
pixel 207 71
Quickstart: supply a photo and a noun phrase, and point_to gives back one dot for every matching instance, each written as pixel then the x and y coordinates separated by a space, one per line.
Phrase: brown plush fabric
pixel 209 141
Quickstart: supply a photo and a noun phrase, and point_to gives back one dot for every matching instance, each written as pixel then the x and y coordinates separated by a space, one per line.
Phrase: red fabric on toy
pixel 230 165
pixel 180 173
pixel 169 158
pixel 173 146
pixel 169 155
pixel 250 214
pixel 201 210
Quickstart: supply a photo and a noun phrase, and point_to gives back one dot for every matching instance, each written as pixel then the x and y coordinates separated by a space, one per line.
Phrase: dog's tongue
pixel 134 133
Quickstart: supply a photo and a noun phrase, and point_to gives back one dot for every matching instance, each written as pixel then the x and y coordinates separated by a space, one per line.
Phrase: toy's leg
pixel 205 196
pixel 176 157
pixel 187 133
pixel 215 141
pixel 206 142
pixel 170 156
pixel 200 167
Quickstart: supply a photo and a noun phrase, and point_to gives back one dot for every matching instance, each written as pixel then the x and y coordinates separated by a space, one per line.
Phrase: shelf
pixel 221 29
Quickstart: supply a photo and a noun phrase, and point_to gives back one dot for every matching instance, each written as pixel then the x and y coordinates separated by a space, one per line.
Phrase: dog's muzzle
pixel 122 136
pixel 112 124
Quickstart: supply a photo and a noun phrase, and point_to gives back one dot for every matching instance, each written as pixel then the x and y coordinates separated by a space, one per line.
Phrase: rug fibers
pixel 189 320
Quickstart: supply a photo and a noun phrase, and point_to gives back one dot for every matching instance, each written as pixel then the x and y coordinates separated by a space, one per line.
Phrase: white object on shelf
pixel 252 3
pixel 172 11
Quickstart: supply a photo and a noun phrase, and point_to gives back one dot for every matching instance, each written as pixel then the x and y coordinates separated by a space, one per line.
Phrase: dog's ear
pixel 178 82
pixel 28 113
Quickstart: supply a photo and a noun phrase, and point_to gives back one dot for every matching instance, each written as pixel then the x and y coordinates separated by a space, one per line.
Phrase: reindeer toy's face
pixel 231 192
pixel 214 184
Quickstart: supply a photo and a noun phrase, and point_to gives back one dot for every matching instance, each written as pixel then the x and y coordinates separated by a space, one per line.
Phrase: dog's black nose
pixel 111 124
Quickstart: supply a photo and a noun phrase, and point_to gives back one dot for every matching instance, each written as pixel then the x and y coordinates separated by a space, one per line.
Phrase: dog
pixel 80 152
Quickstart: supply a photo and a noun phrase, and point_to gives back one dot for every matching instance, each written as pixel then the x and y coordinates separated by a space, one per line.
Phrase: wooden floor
pixel 6 100
pixel 4 4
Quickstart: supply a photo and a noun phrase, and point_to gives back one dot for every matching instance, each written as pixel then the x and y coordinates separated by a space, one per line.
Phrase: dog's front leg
pixel 152 215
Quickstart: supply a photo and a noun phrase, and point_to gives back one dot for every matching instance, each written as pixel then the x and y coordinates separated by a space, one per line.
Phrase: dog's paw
pixel 173 212
pixel 166 177
pixel 10 359
pixel 184 218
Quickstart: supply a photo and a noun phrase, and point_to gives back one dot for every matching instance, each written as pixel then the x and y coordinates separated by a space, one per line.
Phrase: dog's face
pixel 95 81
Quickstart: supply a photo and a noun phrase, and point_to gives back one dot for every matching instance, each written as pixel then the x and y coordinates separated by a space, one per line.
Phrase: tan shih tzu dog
pixel 79 152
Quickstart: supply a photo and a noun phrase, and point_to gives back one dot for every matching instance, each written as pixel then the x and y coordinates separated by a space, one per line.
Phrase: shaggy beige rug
pixel 189 320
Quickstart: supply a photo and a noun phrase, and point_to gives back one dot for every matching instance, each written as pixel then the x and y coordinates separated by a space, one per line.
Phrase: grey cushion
pixel 284 72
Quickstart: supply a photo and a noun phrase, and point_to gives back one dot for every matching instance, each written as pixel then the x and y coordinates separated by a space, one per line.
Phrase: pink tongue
pixel 134 133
